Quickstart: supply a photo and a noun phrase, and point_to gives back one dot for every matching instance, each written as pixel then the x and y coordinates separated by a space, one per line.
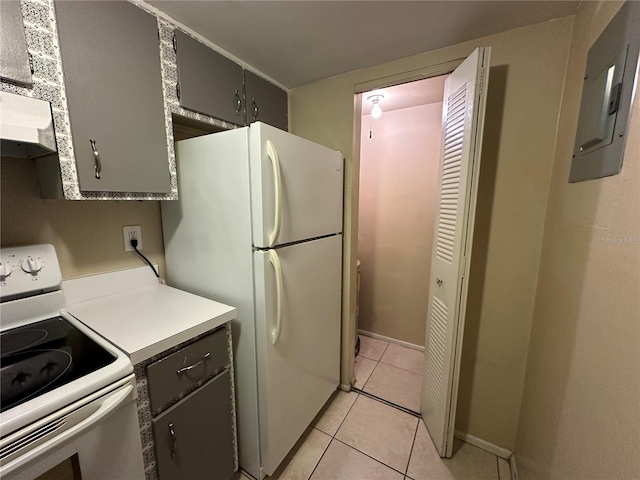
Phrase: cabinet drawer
pixel 194 438
pixel 179 371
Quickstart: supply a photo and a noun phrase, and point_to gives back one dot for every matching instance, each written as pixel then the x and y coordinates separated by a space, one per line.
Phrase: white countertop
pixel 140 316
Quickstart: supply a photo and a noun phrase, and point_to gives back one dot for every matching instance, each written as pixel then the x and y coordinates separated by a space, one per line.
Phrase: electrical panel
pixel 606 97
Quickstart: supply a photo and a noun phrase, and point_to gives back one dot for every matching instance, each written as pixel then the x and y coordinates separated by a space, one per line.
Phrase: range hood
pixel 26 127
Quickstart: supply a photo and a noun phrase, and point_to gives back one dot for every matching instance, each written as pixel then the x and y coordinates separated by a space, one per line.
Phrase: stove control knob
pixel 31 265
pixel 5 271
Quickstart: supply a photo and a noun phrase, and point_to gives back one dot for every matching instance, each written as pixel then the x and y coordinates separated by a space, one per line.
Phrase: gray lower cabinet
pixel 208 82
pixel 14 57
pixel 111 62
pixel 266 102
pixel 194 438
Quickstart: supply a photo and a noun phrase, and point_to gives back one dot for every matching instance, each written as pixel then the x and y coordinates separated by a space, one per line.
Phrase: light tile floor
pixel 389 371
pixel 355 437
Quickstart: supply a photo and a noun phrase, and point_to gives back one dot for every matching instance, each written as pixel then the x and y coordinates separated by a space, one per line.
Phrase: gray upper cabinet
pixel 265 102
pixel 14 57
pixel 111 61
pixel 209 83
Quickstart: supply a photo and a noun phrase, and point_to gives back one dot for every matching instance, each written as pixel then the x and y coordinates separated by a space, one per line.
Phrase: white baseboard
pixel 484 445
pixel 512 464
pixel 391 340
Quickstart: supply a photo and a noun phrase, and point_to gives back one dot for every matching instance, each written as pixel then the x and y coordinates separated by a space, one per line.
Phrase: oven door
pixel 97 438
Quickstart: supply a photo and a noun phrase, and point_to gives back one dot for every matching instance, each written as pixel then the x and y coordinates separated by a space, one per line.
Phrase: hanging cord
pixel 134 244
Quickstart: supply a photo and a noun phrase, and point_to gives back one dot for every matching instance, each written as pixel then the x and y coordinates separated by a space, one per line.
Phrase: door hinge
pixel 464 266
pixel 178 90
pixel 481 80
pixel 175 43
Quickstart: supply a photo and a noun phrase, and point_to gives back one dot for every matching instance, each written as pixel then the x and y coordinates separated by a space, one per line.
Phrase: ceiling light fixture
pixel 376 111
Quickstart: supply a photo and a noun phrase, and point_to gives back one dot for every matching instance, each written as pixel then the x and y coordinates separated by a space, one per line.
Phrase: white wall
pixel 580 413
pixel 398 180
pixel 87 234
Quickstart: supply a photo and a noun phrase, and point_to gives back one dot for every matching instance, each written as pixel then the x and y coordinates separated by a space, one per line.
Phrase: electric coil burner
pixel 65 392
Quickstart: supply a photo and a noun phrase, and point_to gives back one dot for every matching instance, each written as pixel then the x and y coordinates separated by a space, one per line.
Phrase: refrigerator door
pixel 296 187
pixel 298 350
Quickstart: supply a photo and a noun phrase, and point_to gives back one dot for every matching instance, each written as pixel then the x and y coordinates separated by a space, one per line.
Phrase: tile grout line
pixel 383 352
pixel 320 459
pixel 415 435
pixel 369 377
pixel 333 437
pixel 399 368
pixel 367 455
pixel 377 363
pixel 389 403
pixel 346 415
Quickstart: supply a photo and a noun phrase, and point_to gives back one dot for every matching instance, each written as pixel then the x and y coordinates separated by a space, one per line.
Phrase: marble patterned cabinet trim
pixel 145 414
pixel 48 84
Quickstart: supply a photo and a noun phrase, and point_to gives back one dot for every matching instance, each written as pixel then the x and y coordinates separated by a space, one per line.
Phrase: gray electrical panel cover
pixel 606 97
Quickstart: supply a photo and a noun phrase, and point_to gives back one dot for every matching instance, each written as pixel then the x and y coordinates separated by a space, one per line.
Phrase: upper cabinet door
pixel 266 102
pixel 209 83
pixel 111 61
pixel 14 57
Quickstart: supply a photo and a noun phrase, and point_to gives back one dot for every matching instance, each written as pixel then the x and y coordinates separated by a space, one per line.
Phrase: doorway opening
pixel 463 108
pixel 399 152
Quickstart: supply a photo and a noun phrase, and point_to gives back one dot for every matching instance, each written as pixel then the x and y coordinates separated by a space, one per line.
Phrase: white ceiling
pixel 406 95
pixel 296 42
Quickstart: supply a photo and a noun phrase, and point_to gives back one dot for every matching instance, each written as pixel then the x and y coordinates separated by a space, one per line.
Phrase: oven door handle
pixel 111 403
pixel 74 426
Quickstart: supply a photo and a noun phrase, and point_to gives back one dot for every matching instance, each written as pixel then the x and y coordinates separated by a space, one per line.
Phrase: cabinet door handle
pixel 97 165
pixel 238 101
pixel 256 111
pixel 173 440
pixel 186 369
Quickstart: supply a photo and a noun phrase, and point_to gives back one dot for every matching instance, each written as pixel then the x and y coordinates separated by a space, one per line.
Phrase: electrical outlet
pixel 131 232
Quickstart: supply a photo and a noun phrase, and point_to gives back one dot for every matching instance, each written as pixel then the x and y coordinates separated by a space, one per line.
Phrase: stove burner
pixel 43 356
pixel 31 373
pixel 15 341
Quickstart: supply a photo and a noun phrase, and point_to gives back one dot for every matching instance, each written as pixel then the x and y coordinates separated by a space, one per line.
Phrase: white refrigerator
pixel 259 226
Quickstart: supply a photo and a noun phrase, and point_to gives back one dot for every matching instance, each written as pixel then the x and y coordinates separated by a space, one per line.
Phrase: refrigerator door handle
pixel 275 261
pixel 272 153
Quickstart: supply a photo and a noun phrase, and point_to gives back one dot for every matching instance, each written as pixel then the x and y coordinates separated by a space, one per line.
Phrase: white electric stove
pixel 67 395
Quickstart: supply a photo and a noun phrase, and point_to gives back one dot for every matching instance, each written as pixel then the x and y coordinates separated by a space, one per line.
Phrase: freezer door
pixel 296 187
pixel 299 352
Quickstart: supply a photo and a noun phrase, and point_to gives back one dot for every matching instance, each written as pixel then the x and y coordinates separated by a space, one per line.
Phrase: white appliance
pixel 259 226
pixel 68 396
pixel 26 126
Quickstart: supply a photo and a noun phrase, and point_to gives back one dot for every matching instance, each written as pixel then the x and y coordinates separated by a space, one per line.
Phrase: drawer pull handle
pixel 190 367
pixel 256 111
pixel 238 101
pixel 96 159
pixel 173 440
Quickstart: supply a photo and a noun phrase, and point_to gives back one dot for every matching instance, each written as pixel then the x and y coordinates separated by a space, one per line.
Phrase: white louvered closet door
pixel 462 121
